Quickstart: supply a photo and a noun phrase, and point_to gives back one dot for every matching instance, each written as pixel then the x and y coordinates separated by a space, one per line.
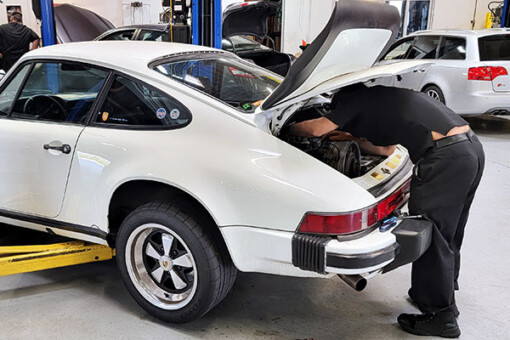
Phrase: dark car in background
pixel 240 21
pixel 74 24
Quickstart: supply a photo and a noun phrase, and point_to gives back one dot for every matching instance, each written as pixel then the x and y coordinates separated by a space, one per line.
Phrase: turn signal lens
pixel 486 72
pixel 350 222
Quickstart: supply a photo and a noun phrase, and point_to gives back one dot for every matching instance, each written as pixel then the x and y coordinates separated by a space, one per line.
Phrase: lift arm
pixel 24 259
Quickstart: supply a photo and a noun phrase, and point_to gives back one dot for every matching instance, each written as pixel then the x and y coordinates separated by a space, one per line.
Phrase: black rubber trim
pixel 414 236
pixel 383 187
pixel 308 252
pixel 75 228
pixel 355 261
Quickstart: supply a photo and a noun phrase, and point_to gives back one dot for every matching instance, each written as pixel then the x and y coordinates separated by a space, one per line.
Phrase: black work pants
pixel 442 190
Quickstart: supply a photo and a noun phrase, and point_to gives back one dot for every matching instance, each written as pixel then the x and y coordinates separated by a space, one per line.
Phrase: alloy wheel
pixel 433 94
pixel 161 266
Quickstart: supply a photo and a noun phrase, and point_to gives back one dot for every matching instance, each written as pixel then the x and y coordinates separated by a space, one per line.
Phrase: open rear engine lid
pixel 357 34
pixel 248 18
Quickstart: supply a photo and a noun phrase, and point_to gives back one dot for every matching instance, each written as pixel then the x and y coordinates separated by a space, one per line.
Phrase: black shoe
pixel 441 324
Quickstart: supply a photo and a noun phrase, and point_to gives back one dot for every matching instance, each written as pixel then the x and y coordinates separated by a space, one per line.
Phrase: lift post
pixel 505 14
pixel 24 259
pixel 206 17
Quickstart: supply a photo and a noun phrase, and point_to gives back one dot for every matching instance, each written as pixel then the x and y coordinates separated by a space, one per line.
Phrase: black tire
pixel 434 92
pixel 177 236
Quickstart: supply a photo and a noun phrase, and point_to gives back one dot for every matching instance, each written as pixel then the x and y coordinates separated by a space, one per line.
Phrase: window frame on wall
pixel 405 16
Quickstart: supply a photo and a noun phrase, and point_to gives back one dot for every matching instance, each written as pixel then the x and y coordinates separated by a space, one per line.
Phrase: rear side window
pixel 124 35
pixel 494 47
pixel 129 103
pixel 153 35
pixel 424 48
pixel 233 82
pixel 453 48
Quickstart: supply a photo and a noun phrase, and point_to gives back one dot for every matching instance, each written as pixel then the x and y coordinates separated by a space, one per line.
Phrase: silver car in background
pixel 470 70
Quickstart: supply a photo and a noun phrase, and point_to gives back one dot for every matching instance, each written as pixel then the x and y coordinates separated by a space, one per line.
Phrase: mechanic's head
pixel 16 17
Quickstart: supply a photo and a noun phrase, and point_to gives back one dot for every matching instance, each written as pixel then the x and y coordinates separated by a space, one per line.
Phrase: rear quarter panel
pixel 242 175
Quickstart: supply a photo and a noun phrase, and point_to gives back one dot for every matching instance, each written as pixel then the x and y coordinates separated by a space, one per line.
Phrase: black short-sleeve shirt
pixel 387 116
pixel 14 42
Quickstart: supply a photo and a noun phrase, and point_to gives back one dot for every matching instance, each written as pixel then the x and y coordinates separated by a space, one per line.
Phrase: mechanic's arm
pixel 35 44
pixel 312 128
pixel 365 146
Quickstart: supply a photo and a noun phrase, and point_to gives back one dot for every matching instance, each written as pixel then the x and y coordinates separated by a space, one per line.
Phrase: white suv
pixel 470 70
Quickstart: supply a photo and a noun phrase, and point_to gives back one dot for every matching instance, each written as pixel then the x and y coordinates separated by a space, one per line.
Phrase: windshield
pixel 227 79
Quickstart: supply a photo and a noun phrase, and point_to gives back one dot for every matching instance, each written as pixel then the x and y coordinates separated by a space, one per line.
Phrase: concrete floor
pixel 90 301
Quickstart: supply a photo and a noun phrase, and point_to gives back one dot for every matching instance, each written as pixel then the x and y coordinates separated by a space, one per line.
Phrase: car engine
pixel 344 156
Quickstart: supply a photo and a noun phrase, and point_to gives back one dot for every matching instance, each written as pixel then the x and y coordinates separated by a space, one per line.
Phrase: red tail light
pixel 353 221
pixel 486 72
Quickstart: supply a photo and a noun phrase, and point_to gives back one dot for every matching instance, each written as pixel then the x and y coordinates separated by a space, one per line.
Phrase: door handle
pixel 66 148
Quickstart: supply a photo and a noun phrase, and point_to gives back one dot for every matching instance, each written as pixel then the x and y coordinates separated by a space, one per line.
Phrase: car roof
pixel 475 33
pixel 131 55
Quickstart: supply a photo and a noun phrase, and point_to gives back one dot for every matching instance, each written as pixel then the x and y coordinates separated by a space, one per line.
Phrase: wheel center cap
pixel 166 263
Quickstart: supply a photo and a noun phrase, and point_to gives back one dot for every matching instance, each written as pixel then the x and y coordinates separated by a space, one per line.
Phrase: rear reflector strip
pixel 354 221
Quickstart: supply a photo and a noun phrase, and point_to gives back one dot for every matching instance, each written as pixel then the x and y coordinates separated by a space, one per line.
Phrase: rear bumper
pixel 486 102
pixel 409 240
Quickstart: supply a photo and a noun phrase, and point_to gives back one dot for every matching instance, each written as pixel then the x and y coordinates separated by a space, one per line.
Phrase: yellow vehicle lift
pixel 24 259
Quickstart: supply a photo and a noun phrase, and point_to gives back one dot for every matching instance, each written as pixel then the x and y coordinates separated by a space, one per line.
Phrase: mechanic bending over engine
pixel 449 162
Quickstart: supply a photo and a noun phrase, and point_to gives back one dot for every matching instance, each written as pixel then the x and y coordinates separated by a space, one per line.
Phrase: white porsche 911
pixel 178 156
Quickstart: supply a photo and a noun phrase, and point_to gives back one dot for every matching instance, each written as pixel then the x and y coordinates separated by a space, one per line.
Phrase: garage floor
pixel 90 301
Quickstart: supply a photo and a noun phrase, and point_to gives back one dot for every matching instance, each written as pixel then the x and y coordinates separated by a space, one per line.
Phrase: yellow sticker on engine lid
pixel 377 176
pixel 391 165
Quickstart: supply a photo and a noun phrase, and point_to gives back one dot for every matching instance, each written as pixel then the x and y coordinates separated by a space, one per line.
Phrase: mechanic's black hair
pixel 17 16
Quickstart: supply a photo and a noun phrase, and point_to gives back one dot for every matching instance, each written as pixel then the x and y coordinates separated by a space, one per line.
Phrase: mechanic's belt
pixel 440 143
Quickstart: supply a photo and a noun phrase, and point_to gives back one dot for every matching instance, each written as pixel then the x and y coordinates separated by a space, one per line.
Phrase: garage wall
pixel 303 20
pixel 225 3
pixel 457 14
pixel 147 14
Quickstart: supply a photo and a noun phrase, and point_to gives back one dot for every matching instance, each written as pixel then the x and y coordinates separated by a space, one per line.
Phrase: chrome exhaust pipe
pixel 357 282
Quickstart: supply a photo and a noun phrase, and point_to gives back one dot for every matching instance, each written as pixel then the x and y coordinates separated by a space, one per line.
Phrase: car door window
pixel 124 35
pixel 59 92
pixel 399 51
pixel 453 48
pixel 8 94
pixel 130 103
pixel 424 48
pixel 153 35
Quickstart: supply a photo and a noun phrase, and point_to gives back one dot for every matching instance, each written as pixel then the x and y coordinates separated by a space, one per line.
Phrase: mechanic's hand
pixel 338 136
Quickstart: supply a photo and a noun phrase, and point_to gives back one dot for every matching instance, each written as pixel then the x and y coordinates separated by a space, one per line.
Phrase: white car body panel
pixel 34 180
pixel 365 46
pixel 465 97
pixel 257 192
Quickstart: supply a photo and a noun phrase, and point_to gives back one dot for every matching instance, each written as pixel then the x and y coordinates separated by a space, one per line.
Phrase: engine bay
pixel 344 156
